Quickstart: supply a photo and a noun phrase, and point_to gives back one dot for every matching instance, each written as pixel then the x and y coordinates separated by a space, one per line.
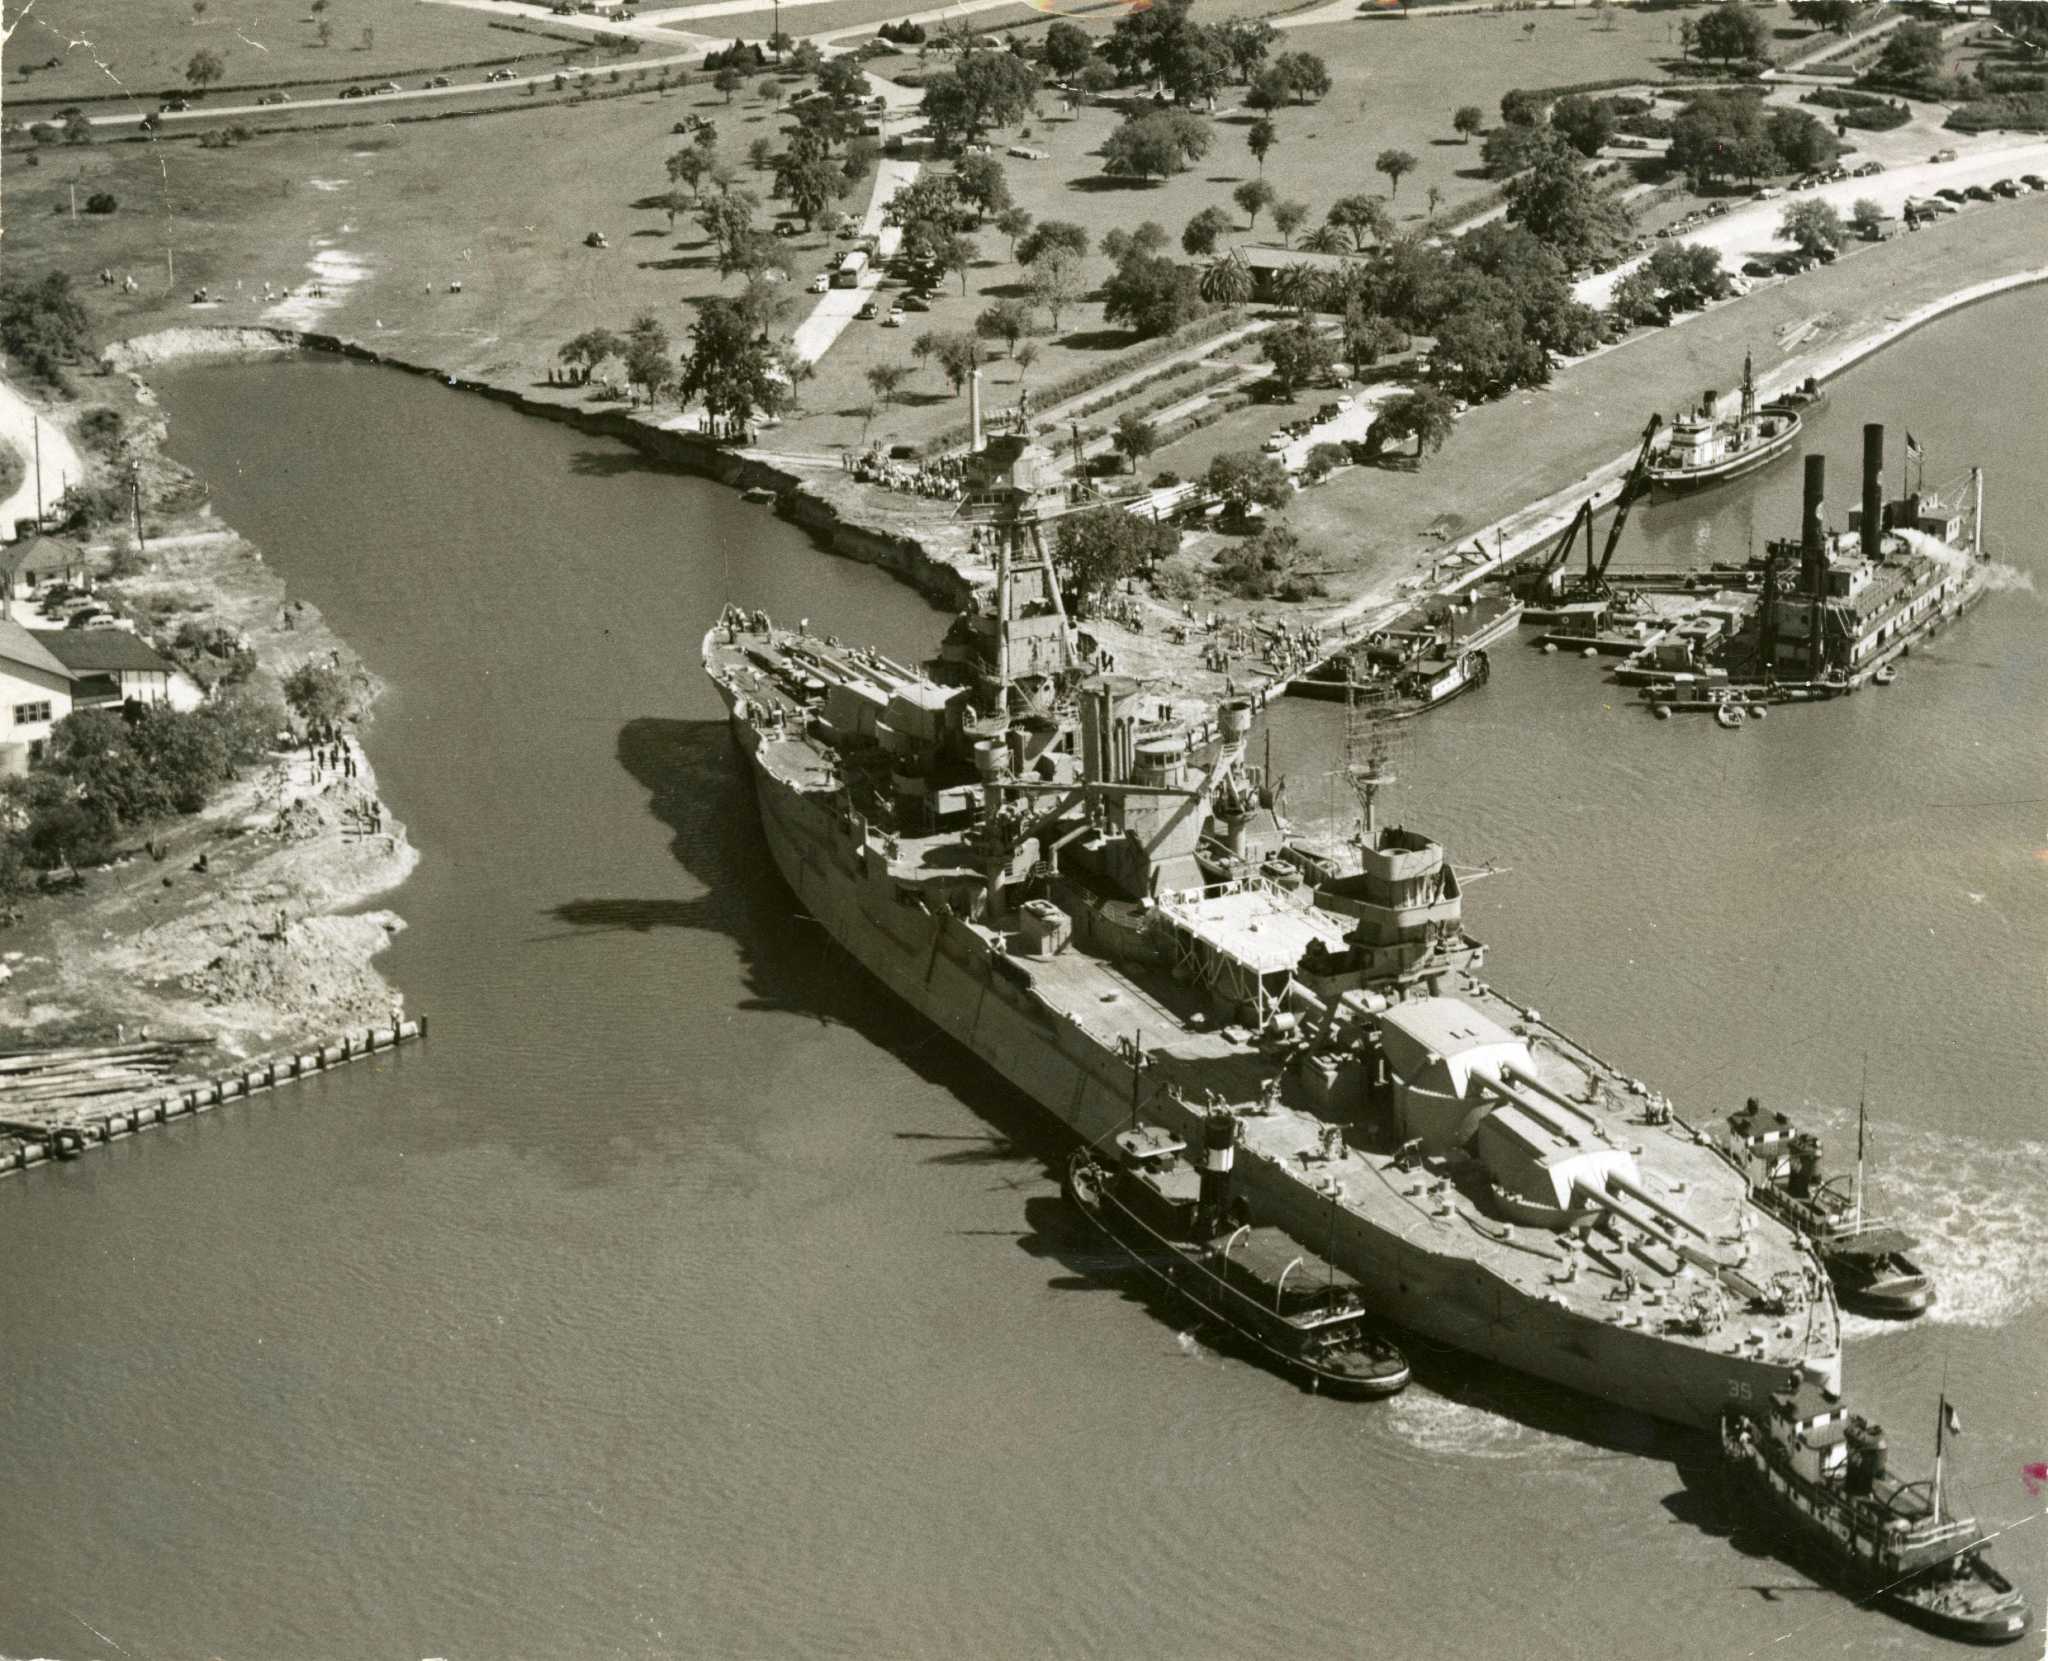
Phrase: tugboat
pixel 1820 1472
pixel 1867 1261
pixel 1294 1309
pixel 1703 450
pixel 1397 683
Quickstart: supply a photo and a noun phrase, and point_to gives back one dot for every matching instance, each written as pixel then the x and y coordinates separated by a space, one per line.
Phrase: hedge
pixel 1841 98
pixel 1880 119
pixel 1099 374
pixel 2025 110
pixel 1171 372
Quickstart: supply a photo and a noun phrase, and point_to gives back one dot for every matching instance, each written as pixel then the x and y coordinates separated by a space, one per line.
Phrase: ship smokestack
pixel 1873 490
pixel 1813 527
pixel 1219 1155
pixel 1710 400
pixel 974 407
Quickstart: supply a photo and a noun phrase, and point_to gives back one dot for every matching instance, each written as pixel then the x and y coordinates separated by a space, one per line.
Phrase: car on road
pixel 1977 193
pixel 355 92
pixel 1949 194
pixel 2007 188
pixel 499 75
pixel 868 312
pixel 821 282
pixel 1942 155
pixel 1759 268
pixel 432 82
pixel 895 318
pixel 171 106
pixel 917 302
pixel 275 98
pixel 2034 181
pixel 1768 193
pixel 1275 443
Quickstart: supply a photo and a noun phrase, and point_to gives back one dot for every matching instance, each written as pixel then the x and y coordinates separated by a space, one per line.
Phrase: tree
pixel 924 346
pixel 205 67
pixel 885 378
pixel 1156 144
pixel 1638 298
pixel 1055 281
pixel 1302 355
pixel 1119 245
pixel 1732 30
pixel 1204 231
pixel 1719 135
pixel 591 348
pixel 1253 195
pixel 1802 143
pixel 1468 119
pixel 77 129
pixel 1135 438
pixel 1362 217
pixel 1245 478
pixel 1305 75
pixel 810 182
pixel 959 356
pixel 43 325
pixel 1054 236
pixel 982 183
pixel 1512 148
pixel 1688 38
pixel 981 90
pixel 1024 357
pixel 1586 123
pixel 1152 295
pixel 1098 548
pixel 728 81
pixel 760 152
pixel 958 255
pixel 1425 415
pixel 646 355
pixel 1435 197
pixel 1812 226
pixel 1826 14
pixel 1013 222
pixel 1866 219
pixel 319 694
pixel 731 368
pixel 1006 320
pixel 198 11
pixel 806 60
pixel 1259 138
pixel 1394 163
pixel 843 81
pixel 1327 239
pixel 1226 282
pixel 1246 41
pixel 1520 107
pixel 1066 49
pixel 728 219
pixel 688 167
pixel 1688 274
pixel 1911 53
pixel 1287 218
pixel 1563 208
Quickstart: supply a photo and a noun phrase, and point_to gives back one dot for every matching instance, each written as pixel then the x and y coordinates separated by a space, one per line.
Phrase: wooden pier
pixel 51 1124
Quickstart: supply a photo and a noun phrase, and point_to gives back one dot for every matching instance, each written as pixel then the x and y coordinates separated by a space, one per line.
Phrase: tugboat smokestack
pixel 1873 489
pixel 1813 528
pixel 1219 1156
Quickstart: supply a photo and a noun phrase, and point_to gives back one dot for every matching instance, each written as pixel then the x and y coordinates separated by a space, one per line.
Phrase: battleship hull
pixel 1414 1260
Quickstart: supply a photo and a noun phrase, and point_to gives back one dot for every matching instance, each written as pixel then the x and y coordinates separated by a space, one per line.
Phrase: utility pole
pixel 37 425
pixel 135 501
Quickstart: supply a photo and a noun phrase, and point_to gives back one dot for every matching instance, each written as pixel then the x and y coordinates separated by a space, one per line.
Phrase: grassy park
pixel 141 51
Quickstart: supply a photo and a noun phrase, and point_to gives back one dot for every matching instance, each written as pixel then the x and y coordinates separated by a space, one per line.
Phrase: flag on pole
pixel 1912 448
pixel 1948 1413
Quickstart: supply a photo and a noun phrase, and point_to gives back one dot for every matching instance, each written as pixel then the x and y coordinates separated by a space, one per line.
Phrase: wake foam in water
pixel 1980 1212
pixel 1437 1425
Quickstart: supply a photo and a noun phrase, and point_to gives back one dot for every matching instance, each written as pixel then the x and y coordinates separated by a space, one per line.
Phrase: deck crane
pixel 1595 584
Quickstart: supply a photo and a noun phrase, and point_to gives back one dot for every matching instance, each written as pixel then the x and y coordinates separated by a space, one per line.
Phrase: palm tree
pixel 1326 239
pixel 1024 357
pixel 1226 282
pixel 1301 286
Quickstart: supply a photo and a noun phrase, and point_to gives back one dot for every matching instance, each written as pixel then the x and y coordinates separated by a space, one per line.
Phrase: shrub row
pixel 1841 98
pixel 2025 110
pixel 1880 118
pixel 1172 372
pixel 1544 95
pixel 1098 374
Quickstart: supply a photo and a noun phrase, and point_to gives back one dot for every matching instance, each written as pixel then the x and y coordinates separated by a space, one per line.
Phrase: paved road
pixel 61 463
pixel 1744 232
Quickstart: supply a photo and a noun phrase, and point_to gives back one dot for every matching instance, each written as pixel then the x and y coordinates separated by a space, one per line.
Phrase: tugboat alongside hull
pixel 1293 1310
pixel 1702 450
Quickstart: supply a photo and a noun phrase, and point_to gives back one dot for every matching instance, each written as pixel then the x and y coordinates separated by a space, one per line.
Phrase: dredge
pixel 1086 884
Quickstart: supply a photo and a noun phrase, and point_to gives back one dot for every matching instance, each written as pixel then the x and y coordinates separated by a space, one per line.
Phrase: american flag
pixel 1912 448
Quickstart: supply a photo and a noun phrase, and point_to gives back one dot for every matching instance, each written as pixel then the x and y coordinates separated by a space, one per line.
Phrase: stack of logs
pixel 43 1089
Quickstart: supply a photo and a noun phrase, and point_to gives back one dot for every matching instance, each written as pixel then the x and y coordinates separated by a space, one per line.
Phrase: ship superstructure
pixel 1086 883
pixel 1700 448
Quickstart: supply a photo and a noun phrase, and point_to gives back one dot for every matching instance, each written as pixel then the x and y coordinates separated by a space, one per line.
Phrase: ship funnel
pixel 1813 529
pixel 1710 400
pixel 1873 490
pixel 1219 1156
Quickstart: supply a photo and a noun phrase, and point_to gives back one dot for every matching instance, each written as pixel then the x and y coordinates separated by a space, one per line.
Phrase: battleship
pixel 1700 449
pixel 1821 1474
pixel 1088 885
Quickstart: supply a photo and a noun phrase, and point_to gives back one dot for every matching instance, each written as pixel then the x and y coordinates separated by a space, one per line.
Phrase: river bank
pixel 239 928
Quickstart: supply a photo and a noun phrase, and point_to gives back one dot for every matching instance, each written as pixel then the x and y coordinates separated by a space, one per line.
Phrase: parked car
pixel 388 86
pixel 820 283
pixel 1767 193
pixel 434 81
pixel 355 92
pixel 1948 194
pixel 868 311
pixel 501 75
pixel 2007 188
pixel 1759 268
pixel 171 106
pixel 1942 155
pixel 1275 443
pixel 895 318
pixel 2034 181
pixel 1977 193
pixel 274 98
pixel 917 302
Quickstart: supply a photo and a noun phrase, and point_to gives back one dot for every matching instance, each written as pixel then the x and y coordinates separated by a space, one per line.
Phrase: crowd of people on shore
pixel 943 479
